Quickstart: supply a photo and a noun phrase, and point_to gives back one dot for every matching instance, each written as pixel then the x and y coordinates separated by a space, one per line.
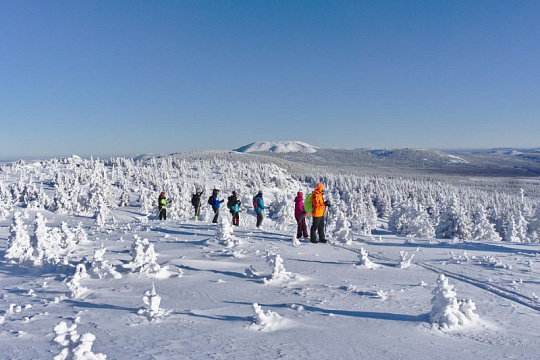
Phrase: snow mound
pixel 268 321
pixel 278 147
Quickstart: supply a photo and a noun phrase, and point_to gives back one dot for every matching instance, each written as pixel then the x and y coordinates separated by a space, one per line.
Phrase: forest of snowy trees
pixel 414 207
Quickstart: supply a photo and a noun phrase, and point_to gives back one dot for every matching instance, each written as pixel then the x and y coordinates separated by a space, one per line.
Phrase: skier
pixel 233 203
pixel 258 205
pixel 162 204
pixel 319 208
pixel 300 215
pixel 196 202
pixel 213 200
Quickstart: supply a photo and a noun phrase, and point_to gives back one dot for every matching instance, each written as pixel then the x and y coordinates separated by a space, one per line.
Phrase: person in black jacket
pixel 196 202
pixel 233 203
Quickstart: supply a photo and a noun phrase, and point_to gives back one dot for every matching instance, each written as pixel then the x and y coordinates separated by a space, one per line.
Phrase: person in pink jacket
pixel 300 215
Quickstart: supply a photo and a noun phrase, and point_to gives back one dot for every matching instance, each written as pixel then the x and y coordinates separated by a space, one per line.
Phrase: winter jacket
pixel 216 203
pixel 318 201
pixel 235 203
pixel 299 205
pixel 260 203
pixel 163 202
pixel 196 200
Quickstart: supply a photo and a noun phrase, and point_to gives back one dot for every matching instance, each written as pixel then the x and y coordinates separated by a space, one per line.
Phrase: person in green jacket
pixel 162 204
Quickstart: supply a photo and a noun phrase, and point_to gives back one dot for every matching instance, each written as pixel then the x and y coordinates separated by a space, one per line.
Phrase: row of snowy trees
pixel 419 207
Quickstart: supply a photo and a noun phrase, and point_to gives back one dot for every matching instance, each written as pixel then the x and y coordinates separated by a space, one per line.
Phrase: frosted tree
pixel 46 249
pixel 454 222
pixel 364 261
pixel 101 268
pixel 342 231
pixel 447 312
pixel 483 230
pixel 278 269
pixel 19 248
pixel 152 301
pixel 74 282
pixel 101 214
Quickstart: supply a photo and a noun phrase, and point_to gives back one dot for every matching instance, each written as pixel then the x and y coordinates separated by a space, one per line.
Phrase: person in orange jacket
pixel 319 207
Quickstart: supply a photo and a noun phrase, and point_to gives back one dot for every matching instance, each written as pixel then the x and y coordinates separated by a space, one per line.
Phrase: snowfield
pixel 278 147
pixel 87 272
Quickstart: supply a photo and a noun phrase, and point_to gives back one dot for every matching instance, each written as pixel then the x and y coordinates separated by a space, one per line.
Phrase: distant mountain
pixel 278 147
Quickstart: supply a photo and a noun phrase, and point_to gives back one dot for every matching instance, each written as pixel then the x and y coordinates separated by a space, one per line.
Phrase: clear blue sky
pixel 128 77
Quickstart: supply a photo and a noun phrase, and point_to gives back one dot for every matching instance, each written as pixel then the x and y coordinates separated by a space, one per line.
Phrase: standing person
pixel 162 204
pixel 213 200
pixel 234 205
pixel 300 215
pixel 319 207
pixel 258 204
pixel 196 202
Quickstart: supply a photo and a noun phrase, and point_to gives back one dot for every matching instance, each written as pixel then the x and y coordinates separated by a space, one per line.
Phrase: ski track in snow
pixel 494 289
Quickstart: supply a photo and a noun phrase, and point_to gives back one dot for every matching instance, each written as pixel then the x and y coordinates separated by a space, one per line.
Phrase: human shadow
pixel 324 262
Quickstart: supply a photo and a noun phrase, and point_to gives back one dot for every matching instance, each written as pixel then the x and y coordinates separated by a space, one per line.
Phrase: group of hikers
pixel 314 204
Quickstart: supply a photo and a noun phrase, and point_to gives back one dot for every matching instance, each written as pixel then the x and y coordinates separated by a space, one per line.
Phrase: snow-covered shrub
pixel 143 256
pixel 364 261
pixel 47 250
pixel 19 249
pixel 75 346
pixel 278 270
pixel 282 211
pixel 144 260
pixel 100 268
pixel 101 214
pixel 267 321
pixel 74 282
pixel 152 300
pixel 342 231
pixel 447 312
pixel 224 232
pixel 404 261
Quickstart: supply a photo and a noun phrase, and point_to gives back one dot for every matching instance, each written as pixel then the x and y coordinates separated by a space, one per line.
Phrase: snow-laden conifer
pixel 447 313
pixel 19 248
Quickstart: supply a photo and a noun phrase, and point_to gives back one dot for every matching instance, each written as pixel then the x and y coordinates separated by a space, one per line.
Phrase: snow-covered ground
pixel 326 306
pixel 119 284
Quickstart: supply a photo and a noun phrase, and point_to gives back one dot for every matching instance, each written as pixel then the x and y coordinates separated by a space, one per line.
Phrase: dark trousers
pixel 235 218
pixel 317 226
pixel 163 214
pixel 260 218
pixel 216 212
pixel 197 211
pixel 302 227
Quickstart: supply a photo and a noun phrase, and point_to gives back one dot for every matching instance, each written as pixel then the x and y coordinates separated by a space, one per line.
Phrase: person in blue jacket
pixel 258 204
pixel 215 204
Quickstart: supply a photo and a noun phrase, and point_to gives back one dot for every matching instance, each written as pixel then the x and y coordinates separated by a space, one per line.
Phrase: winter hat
pixel 234 193
pixel 162 193
pixel 300 194
pixel 320 187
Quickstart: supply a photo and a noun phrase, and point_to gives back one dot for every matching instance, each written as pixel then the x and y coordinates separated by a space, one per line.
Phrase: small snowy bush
pixel 267 321
pixel 152 300
pixel 404 261
pixel 75 346
pixel 364 261
pixel 278 270
pixel 447 312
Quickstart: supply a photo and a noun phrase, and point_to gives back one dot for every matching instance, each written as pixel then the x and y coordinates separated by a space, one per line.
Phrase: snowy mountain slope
pixel 278 147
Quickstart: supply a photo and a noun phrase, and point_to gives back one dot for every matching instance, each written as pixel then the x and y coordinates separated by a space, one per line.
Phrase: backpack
pixel 308 203
pixel 194 200
pixel 255 203
pixel 230 202
pixel 211 200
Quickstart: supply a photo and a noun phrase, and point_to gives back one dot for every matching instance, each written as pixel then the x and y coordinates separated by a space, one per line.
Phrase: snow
pixel 134 287
pixel 278 147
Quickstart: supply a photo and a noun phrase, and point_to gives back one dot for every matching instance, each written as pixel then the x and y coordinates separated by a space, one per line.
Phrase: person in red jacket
pixel 319 207
pixel 300 215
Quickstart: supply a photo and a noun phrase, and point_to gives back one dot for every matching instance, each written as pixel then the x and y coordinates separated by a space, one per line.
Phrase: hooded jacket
pixel 298 205
pixel 318 201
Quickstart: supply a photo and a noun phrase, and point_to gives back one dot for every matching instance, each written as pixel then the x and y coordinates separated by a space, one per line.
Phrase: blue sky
pixel 128 77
